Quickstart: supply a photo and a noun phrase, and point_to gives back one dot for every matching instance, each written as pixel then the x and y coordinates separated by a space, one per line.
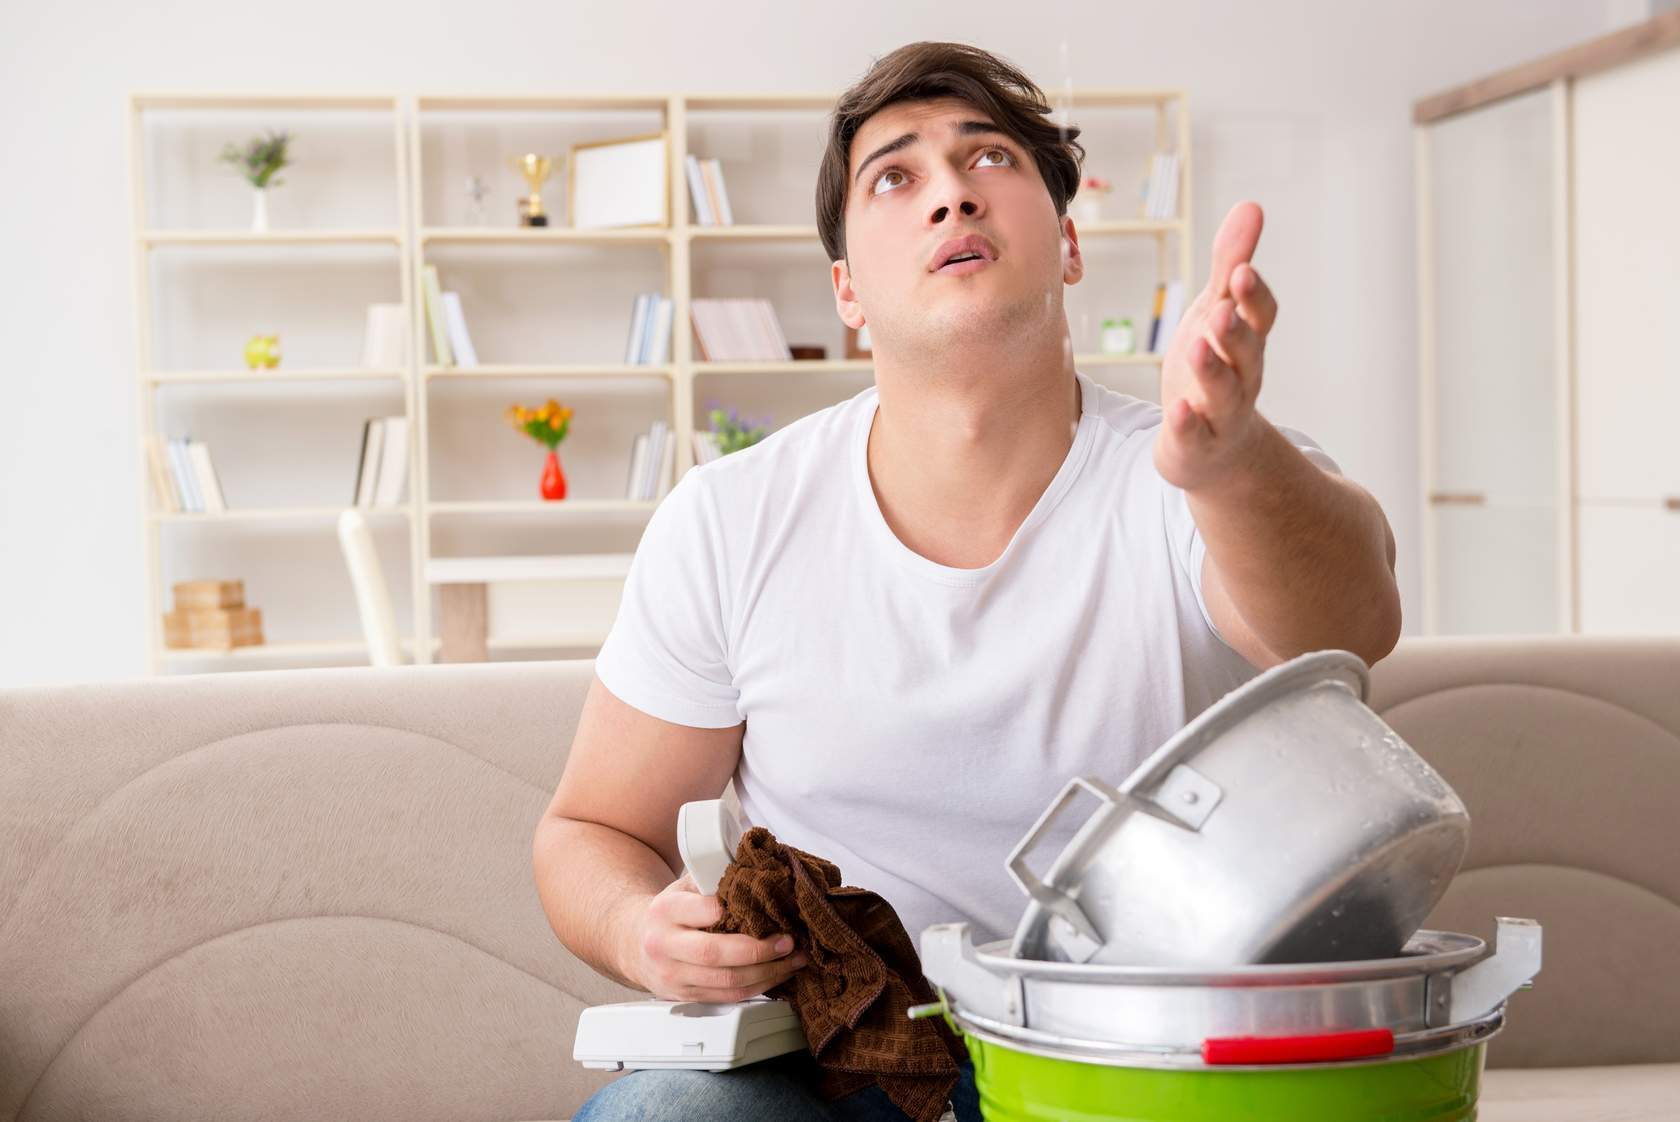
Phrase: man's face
pixel 959 176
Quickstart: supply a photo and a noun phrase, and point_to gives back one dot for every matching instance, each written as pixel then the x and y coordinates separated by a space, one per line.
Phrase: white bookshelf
pixel 455 504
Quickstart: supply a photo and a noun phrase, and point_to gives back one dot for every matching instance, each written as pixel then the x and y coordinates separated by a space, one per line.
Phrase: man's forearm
pixel 592 881
pixel 1305 556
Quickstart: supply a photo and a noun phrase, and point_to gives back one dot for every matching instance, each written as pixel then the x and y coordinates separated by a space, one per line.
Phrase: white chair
pixel 373 600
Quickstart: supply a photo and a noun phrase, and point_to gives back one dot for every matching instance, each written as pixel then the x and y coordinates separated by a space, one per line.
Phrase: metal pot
pixel 1368 1041
pixel 1286 823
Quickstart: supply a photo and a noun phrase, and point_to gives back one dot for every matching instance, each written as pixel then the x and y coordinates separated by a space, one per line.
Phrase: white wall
pixel 1302 105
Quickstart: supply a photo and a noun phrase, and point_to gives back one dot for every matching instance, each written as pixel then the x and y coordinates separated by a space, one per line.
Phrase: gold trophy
pixel 535 169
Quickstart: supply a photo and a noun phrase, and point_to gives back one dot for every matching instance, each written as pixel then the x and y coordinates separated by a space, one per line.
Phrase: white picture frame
pixel 617 183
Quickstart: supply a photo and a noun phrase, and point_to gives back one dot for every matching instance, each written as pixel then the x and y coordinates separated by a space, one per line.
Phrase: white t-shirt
pixel 907 720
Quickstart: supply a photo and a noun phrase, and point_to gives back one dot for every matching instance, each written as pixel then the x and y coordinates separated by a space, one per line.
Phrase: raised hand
pixel 1210 377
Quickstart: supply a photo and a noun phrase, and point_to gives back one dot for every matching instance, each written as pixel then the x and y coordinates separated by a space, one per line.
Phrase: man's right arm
pixel 605 855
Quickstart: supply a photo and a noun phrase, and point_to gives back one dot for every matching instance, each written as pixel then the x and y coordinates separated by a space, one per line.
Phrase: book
pixel 433 294
pixel 726 217
pixel 659 350
pixel 644 345
pixel 385 343
pixel 666 462
pixel 705 447
pixel 157 467
pixel 638 318
pixel 1155 317
pixel 460 343
pixel 655 458
pixel 393 462
pixel 638 453
pixel 373 443
pixel 182 472
pixel 703 213
pixel 204 475
pixel 708 172
pixel 775 340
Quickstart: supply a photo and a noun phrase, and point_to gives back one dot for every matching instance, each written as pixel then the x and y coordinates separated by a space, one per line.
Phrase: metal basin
pixel 1285 824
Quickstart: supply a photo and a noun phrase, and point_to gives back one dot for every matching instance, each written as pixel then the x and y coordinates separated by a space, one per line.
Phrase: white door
pixel 1627 279
pixel 1491 368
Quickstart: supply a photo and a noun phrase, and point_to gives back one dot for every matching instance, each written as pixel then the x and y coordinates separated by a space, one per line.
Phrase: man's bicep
pixel 631 771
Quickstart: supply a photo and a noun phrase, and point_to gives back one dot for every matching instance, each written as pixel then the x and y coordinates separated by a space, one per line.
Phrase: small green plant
pixel 733 434
pixel 260 158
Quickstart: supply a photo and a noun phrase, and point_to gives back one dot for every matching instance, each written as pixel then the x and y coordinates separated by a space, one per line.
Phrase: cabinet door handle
pixel 1672 502
pixel 1457 498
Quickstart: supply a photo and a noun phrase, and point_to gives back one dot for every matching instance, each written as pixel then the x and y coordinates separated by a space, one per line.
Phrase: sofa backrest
pixel 1567 752
pixel 287 894
pixel 308 893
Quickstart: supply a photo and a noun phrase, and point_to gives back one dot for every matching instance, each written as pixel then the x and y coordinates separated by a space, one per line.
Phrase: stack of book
pixel 451 345
pixel 385 341
pixel 1169 307
pixel 384 464
pixel 649 343
pixel 211 615
pixel 183 478
pixel 739 331
pixel 705 187
pixel 651 456
pixel 1160 192
pixel 706 447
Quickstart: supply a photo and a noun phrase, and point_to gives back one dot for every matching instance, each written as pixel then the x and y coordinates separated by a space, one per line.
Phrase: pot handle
pixel 1515 960
pixel 1057 901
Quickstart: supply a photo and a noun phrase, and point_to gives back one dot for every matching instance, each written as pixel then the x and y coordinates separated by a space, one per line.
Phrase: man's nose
pixel 956 194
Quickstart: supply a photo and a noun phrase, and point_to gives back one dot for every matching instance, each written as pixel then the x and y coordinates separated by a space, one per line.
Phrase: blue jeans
pixel 777 1090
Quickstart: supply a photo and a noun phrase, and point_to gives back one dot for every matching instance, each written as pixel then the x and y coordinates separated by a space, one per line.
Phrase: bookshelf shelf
pixel 563 370
pixel 471 235
pixel 565 508
pixel 276 514
pixel 270 237
pixel 446 405
pixel 271 377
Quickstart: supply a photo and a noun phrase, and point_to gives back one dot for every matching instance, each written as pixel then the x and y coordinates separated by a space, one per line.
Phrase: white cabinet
pixel 1627 279
pixel 1496 501
pixel 1630 566
pixel 1549 278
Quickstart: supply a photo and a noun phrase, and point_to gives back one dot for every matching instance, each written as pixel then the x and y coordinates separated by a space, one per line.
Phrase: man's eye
pixel 883 175
pixel 1004 152
pixel 1000 152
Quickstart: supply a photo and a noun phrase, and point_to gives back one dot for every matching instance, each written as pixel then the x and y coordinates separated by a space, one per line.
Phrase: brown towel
pixel 862 976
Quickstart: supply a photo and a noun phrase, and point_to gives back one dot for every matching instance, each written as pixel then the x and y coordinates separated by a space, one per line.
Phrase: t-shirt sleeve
pixel 667 651
pixel 1188 545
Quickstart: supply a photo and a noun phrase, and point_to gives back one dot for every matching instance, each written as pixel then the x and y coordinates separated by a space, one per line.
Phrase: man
pixel 901 623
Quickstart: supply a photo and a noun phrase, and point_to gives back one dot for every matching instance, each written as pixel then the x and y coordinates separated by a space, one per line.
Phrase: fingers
pixel 1254 298
pixel 1218 394
pixel 1234 340
pixel 1233 245
pixel 705 948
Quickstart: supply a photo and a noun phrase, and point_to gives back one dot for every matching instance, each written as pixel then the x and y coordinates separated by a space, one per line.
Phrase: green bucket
pixel 1023 1086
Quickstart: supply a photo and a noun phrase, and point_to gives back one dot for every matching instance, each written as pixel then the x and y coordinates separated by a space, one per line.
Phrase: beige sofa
pixel 307 894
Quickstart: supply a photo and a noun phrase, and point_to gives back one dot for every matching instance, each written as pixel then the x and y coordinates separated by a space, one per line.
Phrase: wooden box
pixel 194 594
pixel 219 629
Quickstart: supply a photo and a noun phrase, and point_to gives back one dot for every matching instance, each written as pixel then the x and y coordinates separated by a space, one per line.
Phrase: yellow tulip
pixel 554 423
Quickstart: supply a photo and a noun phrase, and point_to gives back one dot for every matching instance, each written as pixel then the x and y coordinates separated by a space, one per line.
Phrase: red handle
pixel 1297 1049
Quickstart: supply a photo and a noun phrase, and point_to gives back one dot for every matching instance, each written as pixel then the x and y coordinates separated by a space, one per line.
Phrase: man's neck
pixel 959 456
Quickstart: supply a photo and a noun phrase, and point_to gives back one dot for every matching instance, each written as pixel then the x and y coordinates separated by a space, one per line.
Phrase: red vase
pixel 553 479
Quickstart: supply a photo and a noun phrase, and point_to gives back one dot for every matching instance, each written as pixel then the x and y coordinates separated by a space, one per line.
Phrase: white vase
pixel 259 211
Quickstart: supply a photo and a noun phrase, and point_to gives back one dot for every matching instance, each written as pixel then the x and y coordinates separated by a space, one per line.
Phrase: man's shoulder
pixel 1120 415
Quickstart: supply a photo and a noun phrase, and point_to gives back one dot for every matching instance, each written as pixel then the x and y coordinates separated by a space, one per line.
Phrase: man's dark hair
pixel 921 72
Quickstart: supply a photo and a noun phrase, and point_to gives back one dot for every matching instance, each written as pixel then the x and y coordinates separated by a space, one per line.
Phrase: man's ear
pixel 1073 262
pixel 845 297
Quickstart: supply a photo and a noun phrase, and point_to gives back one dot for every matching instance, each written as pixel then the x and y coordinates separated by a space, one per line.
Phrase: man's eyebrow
pixel 966 128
